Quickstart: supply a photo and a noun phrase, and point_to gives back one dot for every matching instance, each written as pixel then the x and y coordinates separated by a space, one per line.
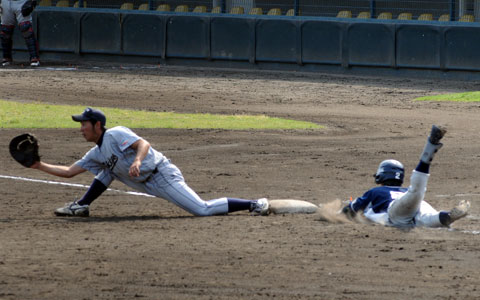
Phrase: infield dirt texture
pixel 146 248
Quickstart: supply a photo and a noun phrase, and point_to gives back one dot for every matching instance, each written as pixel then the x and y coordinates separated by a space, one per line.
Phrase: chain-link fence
pixel 443 10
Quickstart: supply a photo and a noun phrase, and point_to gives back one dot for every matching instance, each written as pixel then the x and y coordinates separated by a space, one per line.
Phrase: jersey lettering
pixel 111 162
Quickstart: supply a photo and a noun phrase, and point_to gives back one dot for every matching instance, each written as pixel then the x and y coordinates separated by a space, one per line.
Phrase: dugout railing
pixel 256 41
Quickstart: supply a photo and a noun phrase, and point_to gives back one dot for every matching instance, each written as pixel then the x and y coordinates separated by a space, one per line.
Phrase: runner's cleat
pixel 436 134
pixel 433 144
pixel 459 211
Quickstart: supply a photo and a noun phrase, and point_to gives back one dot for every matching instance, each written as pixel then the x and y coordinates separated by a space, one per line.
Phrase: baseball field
pixel 137 247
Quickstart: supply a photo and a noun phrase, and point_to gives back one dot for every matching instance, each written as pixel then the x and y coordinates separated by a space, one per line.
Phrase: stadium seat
pixel 425 17
pixel 291 12
pixel 274 12
pixel 163 7
pixel 77 4
pixel 364 15
pixel 444 18
pixel 62 3
pixel 45 3
pixel 200 9
pixel 143 6
pixel 216 10
pixel 467 18
pixel 404 16
pixel 385 16
pixel 127 6
pixel 256 11
pixel 181 8
pixel 344 14
pixel 237 10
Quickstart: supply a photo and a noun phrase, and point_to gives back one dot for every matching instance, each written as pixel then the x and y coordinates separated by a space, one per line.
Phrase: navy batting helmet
pixel 390 172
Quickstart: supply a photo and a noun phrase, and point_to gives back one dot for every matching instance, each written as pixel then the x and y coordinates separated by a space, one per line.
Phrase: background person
pixel 18 12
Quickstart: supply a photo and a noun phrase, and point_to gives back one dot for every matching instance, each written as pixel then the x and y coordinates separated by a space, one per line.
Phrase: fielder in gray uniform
pixel 121 154
pixel 18 12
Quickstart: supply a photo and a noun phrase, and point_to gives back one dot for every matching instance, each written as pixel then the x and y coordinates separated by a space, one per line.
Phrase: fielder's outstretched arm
pixel 57 170
pixel 141 147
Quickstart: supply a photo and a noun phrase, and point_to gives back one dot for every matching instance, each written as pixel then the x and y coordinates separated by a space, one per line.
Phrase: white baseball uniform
pixel 112 158
pixel 398 206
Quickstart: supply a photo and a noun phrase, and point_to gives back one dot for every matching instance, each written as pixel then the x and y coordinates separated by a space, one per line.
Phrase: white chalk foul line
pixel 71 184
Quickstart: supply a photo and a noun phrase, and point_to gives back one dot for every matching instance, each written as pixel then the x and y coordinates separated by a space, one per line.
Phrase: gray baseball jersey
pixel 158 176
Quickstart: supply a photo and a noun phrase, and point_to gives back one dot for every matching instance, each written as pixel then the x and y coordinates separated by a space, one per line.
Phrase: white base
pixel 291 206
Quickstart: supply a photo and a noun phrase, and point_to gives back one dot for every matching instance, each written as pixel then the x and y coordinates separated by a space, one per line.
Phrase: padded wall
pixel 322 41
pixel 58 30
pixel 371 44
pixel 419 46
pixel 18 40
pixel 276 40
pixel 143 34
pixel 462 48
pixel 256 39
pixel 188 37
pixel 101 33
pixel 232 38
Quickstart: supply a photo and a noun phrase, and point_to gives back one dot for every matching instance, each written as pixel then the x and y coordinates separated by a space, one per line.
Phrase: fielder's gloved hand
pixel 28 7
pixel 24 149
pixel 349 212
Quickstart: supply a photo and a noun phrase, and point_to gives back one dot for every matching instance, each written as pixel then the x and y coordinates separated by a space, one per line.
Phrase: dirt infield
pixel 146 248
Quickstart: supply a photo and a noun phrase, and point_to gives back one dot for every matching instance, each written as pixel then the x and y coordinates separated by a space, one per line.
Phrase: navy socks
pixel 238 204
pixel 95 190
pixel 444 218
pixel 423 167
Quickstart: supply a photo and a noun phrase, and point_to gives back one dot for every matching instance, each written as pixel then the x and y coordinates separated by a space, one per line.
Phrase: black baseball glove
pixel 28 7
pixel 24 149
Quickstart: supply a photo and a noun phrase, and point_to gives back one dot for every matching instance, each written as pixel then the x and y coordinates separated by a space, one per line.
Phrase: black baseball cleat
pixel 433 144
pixel 436 134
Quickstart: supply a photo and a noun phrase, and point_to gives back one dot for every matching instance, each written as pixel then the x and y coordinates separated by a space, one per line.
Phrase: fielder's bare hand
pixel 134 170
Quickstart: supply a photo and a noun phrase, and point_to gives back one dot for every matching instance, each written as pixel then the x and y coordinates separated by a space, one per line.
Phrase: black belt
pixel 155 171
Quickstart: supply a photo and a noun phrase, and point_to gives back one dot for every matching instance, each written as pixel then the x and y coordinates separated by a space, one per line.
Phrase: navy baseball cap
pixel 91 114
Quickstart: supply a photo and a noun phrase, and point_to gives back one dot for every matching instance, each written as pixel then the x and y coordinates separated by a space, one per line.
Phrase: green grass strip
pixel 40 115
pixel 458 97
